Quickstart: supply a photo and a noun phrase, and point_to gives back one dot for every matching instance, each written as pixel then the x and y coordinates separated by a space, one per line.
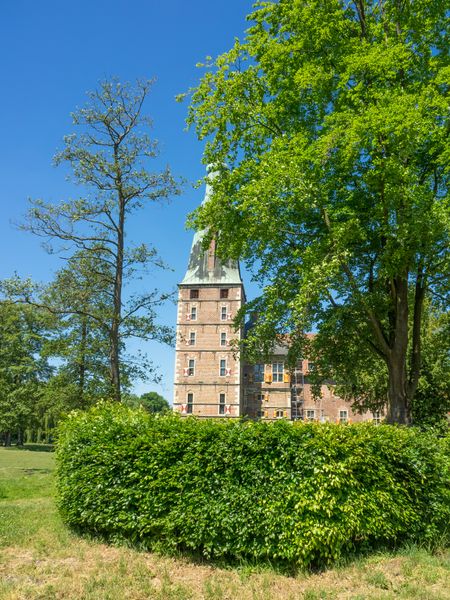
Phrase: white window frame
pixel 192 338
pixel 193 314
pixel 278 415
pixel 277 373
pixel 223 361
pixel 189 403
pixel 343 419
pixel 191 369
pixel 310 417
pixel 223 338
pixel 224 313
pixel 222 403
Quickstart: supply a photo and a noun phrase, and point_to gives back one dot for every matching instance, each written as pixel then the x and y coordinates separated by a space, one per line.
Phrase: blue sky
pixel 52 52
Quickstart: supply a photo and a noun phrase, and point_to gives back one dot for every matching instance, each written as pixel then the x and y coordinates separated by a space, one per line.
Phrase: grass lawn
pixel 40 558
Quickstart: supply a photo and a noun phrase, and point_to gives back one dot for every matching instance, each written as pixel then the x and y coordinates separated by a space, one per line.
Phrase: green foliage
pixel 152 402
pixel 333 120
pixel 300 493
pixel 432 401
pixel 23 370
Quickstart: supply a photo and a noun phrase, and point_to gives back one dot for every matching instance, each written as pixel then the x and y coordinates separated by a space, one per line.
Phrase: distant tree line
pixel 48 369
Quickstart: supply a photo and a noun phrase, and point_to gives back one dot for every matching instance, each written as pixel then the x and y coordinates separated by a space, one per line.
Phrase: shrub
pixel 304 493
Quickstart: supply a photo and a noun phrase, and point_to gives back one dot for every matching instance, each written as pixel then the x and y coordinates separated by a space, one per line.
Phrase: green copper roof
pixel 220 272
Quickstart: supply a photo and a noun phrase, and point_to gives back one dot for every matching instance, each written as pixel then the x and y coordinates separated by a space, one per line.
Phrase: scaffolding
pixel 297 392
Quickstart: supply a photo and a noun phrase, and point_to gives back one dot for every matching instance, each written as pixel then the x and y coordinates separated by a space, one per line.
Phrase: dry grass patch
pixel 41 559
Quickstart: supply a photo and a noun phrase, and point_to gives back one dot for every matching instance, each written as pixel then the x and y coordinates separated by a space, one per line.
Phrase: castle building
pixel 211 380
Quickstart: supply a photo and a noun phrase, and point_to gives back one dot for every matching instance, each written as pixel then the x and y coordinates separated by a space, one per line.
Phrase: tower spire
pixel 204 265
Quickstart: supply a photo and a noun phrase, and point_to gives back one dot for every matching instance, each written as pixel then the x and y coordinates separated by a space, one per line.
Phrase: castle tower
pixel 208 376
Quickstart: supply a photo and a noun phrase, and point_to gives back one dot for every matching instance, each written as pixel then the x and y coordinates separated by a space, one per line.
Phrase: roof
pixel 216 271
pixel 222 272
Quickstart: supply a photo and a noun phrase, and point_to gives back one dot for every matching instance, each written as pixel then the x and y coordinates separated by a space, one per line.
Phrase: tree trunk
pixel 8 438
pixel 114 360
pixel 117 309
pixel 398 408
pixel 20 437
pixel 82 360
pixel 399 405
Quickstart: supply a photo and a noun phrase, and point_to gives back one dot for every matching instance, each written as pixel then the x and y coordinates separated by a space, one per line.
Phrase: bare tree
pixel 109 158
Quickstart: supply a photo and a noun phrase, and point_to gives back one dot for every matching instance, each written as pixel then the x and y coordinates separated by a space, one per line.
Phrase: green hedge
pixel 305 493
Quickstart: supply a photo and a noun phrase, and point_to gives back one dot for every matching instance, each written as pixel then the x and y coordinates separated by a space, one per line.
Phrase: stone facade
pixel 210 380
pixel 208 376
pixel 272 392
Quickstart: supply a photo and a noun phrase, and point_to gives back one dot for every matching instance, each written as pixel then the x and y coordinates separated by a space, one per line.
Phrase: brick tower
pixel 207 374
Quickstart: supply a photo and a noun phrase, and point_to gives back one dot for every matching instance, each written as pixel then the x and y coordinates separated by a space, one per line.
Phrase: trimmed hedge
pixel 304 493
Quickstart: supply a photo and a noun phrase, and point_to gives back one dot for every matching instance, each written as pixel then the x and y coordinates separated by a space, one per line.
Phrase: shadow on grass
pixel 32 447
pixel 246 565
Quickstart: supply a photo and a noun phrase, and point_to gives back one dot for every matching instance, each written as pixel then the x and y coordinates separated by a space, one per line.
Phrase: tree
pixel 79 301
pixel 23 370
pixel 333 120
pixel 432 400
pixel 109 158
pixel 150 401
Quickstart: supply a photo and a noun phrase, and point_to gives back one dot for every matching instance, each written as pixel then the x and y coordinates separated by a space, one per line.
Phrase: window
pixel 223 293
pixel 277 371
pixel 191 367
pixel 279 414
pixel 259 373
pixel 223 313
pixel 260 414
pixel 192 338
pixel 223 339
pixel 259 398
pixel 310 414
pixel 377 417
pixel 194 294
pixel 193 313
pixel 221 404
pixel 223 367
pixel 190 403
pixel 311 366
pixel 343 416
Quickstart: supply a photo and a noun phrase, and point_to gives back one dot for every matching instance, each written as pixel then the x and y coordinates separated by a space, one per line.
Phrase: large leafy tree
pixel 333 119
pixel 109 157
pixel 23 368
